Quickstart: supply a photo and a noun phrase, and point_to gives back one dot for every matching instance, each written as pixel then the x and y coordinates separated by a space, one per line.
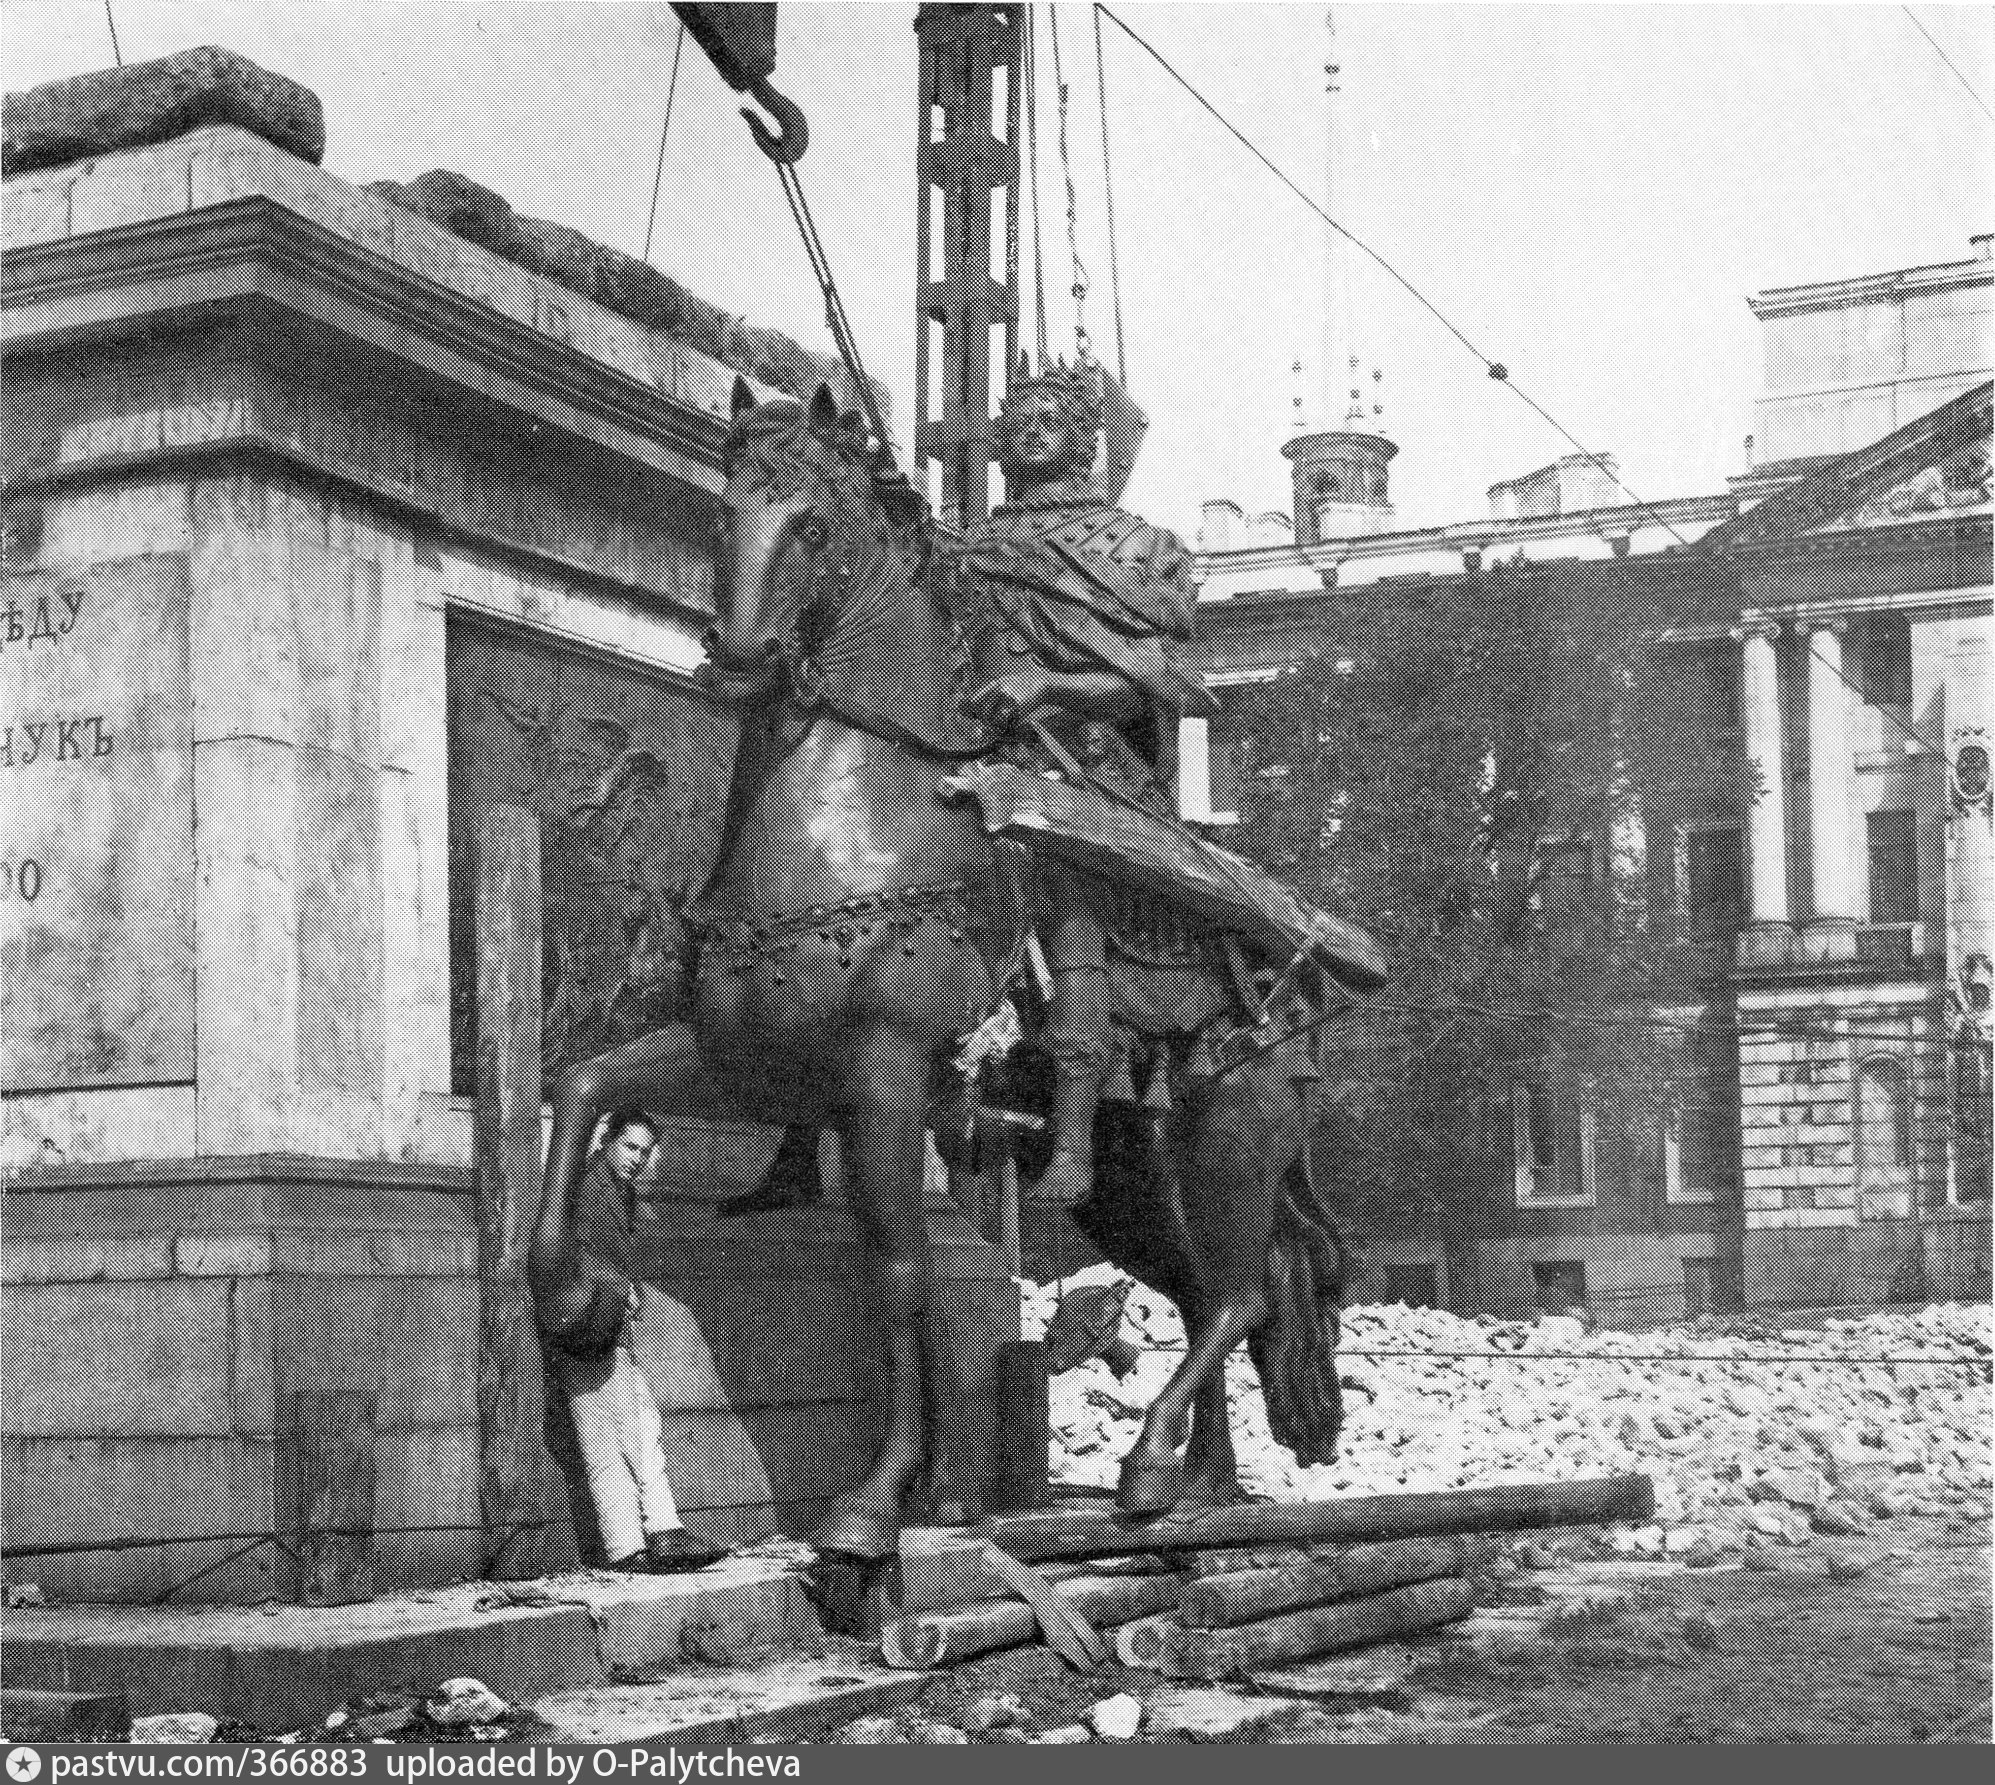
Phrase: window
pixel 1884 660
pixel 1714 875
pixel 1554 1147
pixel 1891 840
pixel 1697 1159
pixel 1883 1124
pixel 1417 1285
pixel 1559 1286
pixel 1972 1154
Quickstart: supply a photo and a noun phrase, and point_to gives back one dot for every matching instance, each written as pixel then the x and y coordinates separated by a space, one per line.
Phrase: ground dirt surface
pixel 1878 1639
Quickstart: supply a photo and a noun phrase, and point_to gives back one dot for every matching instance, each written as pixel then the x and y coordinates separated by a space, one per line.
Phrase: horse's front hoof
pixel 1147 1485
pixel 855 1531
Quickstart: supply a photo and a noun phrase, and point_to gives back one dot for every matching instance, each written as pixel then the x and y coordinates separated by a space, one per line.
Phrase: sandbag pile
pixel 1752 1437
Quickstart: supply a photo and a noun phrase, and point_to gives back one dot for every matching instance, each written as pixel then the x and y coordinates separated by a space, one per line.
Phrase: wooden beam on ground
pixel 523 1499
pixel 1183 1654
pixel 1104 1531
pixel 1358 1573
pixel 942 1638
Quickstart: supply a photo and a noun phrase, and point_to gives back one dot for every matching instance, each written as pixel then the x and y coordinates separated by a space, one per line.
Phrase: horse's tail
pixel 1295 1349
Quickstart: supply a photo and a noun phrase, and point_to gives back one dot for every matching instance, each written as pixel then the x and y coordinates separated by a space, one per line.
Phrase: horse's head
pixel 805 521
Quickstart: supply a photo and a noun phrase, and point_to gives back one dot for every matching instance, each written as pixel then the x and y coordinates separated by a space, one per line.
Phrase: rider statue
pixel 1076 614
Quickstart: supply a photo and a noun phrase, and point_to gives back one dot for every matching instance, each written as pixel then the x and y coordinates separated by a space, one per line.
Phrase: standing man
pixel 615 1414
pixel 1077 613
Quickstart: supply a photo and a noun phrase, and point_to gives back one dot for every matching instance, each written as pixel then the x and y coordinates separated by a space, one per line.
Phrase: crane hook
pixel 786 144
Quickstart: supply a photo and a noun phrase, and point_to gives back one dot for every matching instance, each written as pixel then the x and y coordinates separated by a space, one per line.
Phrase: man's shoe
pixel 637 1562
pixel 677 1552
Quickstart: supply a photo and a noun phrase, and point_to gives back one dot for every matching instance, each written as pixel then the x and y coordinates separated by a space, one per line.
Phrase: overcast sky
pixel 1588 191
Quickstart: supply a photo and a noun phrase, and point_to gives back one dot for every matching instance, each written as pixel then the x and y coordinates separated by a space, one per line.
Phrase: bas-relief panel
pixel 627 776
pixel 97 849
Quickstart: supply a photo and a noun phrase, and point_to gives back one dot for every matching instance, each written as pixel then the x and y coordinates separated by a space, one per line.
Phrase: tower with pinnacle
pixel 1339 472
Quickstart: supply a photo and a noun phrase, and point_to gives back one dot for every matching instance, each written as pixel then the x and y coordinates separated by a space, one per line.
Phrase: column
pixel 1767 833
pixel 1832 897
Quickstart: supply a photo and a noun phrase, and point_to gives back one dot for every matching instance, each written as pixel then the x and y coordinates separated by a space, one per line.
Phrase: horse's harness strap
pixel 742 940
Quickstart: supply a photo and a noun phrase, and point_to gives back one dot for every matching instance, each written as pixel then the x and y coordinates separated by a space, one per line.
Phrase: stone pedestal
pixel 322 523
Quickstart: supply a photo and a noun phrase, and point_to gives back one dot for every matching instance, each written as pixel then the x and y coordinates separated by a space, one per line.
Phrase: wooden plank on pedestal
pixel 522 1497
pixel 325 1497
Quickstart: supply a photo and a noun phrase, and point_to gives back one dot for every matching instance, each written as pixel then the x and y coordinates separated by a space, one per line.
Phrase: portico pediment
pixel 1934 468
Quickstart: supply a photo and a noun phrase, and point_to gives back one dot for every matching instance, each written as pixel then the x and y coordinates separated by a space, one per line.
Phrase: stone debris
pixel 864 1732
pixel 1065 1736
pixel 618 281
pixel 994 1710
pixel 1741 1452
pixel 463 1701
pixel 179 1727
pixel 1116 1719
pixel 152 102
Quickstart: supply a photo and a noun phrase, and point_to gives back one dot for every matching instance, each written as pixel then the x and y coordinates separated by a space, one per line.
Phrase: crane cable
pixel 664 130
pixel 1108 193
pixel 1032 182
pixel 1083 349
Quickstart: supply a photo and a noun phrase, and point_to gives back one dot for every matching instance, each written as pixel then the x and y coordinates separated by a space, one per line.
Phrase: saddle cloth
pixel 1121 842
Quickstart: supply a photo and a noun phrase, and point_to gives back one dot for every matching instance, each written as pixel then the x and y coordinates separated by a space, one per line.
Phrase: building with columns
pixel 1826 619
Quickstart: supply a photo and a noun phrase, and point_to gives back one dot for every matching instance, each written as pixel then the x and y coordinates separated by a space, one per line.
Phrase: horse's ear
pixel 824 411
pixel 744 398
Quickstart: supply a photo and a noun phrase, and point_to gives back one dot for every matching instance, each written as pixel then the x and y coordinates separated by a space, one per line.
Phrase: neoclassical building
pixel 1826 619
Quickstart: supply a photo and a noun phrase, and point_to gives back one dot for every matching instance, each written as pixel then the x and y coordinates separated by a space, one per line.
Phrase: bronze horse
pixel 858 925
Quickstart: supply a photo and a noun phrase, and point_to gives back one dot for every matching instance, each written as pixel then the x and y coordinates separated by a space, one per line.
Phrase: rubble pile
pixel 1744 1452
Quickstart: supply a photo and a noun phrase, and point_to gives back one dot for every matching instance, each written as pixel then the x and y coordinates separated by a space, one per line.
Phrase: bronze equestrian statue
pixel 868 926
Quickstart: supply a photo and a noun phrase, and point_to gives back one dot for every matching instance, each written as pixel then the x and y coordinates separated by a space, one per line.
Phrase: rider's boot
pixel 791 1182
pixel 1077 1024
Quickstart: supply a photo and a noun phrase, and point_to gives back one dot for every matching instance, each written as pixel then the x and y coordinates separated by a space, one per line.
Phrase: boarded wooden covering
pixel 1127 844
pixel 523 1499
pixel 325 1497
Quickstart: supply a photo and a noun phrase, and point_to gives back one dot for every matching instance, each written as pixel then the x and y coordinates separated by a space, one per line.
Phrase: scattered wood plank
pixel 1171 1649
pixel 1068 1634
pixel 1359 1573
pixel 942 1638
pixel 1103 1530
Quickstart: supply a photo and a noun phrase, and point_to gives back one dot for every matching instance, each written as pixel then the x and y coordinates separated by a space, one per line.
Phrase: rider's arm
pixel 1089 694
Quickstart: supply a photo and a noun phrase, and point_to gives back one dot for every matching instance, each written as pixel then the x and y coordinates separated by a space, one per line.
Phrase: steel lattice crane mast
pixel 967 166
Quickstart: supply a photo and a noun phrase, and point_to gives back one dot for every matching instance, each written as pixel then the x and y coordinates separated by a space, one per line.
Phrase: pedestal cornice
pixel 287 282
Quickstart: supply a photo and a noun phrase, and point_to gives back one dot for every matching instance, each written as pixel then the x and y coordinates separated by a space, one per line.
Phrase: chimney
pixel 1980 245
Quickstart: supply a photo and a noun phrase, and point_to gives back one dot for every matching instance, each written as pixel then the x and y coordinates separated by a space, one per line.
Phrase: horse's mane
pixel 779 443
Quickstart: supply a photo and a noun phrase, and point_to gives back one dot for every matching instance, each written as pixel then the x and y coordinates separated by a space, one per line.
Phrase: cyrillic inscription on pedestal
pixel 97 853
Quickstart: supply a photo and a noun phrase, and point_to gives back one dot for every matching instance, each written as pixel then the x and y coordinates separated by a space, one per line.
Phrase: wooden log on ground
pixel 1358 1573
pixel 942 1638
pixel 1104 1531
pixel 1137 1637
pixel 1184 1654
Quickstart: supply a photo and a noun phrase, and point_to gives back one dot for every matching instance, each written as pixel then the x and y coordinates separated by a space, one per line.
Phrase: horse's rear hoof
pixel 857 1532
pixel 1146 1486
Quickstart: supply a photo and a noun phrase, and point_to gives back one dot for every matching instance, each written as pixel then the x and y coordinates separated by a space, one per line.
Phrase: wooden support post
pixel 522 1496
pixel 325 1497
pixel 1008 1245
pixel 1102 1531
pixel 1022 1421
